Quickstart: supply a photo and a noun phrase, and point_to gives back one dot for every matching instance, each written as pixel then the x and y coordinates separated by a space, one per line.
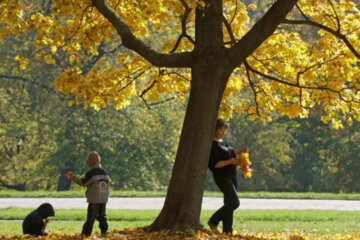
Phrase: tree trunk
pixel 182 206
pixel 64 183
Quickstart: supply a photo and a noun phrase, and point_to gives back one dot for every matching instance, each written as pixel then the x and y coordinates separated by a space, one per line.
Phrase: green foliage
pixel 137 146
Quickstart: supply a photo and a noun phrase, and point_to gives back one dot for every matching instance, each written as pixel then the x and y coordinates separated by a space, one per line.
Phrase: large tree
pixel 219 51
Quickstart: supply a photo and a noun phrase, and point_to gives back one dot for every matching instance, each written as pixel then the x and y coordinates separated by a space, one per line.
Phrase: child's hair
pixel 93 159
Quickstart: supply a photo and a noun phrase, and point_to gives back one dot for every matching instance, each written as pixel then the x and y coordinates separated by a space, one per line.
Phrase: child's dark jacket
pixel 33 222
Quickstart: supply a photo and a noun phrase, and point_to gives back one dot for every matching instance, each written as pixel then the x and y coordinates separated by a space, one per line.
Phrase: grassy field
pixel 295 221
pixel 134 193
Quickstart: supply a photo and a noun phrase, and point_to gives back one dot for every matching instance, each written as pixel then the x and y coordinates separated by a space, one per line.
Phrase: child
pixel 97 182
pixel 34 224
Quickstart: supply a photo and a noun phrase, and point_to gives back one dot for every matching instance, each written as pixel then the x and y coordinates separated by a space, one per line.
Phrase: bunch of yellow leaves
pixel 245 163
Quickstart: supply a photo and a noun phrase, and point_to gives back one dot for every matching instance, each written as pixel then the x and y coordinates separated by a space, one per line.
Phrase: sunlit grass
pixel 292 221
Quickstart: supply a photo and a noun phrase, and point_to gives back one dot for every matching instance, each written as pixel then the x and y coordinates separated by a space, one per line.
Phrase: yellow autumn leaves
pixel 310 67
pixel 245 165
pixel 76 29
pixel 22 61
pixel 139 233
pixel 243 156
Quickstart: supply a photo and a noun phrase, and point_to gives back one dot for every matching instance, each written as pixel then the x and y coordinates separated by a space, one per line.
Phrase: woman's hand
pixel 231 161
pixel 237 161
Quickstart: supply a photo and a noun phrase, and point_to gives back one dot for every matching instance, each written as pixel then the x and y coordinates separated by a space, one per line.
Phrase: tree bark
pixel 182 206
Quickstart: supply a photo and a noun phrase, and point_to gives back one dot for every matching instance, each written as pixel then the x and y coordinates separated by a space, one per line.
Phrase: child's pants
pixel 95 211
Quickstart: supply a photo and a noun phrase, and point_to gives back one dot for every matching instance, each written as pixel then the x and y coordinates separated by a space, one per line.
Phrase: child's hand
pixel 69 175
pixel 43 229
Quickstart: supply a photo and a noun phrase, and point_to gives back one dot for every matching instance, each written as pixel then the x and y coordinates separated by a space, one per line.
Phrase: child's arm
pixel 70 175
pixel 43 229
pixel 87 180
pixel 77 180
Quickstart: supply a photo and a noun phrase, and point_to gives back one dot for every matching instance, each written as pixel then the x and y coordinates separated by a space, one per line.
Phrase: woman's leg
pixel 231 202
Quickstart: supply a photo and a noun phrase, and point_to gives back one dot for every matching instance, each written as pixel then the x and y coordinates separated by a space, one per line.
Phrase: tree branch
pixel 183 34
pixel 253 89
pixel 78 28
pixel 299 86
pixel 135 44
pixel 177 74
pixel 263 29
pixel 335 33
pixel 236 8
pixel 161 102
pixel 336 16
pixel 145 91
pixel 228 28
pixel 26 80
pixel 151 86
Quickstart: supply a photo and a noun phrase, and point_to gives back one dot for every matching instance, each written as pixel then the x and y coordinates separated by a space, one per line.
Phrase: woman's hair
pixel 93 159
pixel 221 123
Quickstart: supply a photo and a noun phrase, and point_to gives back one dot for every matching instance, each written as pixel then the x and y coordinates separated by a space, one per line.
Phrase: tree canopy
pixel 296 69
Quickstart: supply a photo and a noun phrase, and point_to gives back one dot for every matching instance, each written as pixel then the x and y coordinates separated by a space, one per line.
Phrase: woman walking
pixel 223 164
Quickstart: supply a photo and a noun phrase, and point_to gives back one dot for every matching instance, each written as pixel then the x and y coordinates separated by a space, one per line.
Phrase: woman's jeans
pixel 95 211
pixel 231 202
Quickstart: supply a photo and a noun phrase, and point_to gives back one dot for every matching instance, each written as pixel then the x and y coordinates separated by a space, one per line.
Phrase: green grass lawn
pixel 311 221
pixel 135 193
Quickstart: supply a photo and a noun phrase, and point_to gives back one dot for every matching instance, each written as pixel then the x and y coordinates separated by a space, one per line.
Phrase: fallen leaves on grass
pixel 140 233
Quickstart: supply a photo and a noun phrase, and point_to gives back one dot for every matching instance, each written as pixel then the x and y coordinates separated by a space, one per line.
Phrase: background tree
pixel 287 72
pixel 26 125
pixel 41 137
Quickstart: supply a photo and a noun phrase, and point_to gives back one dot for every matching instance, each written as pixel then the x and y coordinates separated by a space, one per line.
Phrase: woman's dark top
pixel 221 151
